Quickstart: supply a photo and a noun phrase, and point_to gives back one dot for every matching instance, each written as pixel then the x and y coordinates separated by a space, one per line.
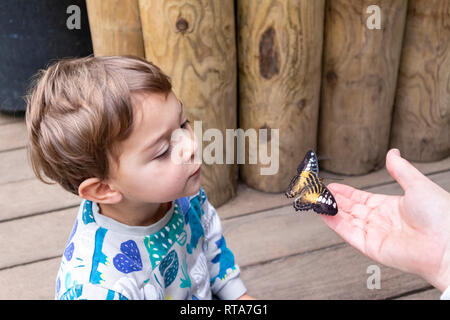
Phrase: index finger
pixel 349 192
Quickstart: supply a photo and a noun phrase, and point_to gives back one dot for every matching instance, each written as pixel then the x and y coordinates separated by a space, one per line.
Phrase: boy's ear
pixel 95 190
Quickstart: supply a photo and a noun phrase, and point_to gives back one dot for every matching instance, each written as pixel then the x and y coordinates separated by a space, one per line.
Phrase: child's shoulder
pixel 83 254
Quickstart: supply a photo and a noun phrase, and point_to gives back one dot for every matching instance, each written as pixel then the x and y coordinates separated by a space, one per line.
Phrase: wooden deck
pixel 283 255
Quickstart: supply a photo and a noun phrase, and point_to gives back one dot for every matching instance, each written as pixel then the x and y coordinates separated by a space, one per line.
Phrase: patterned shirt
pixel 182 256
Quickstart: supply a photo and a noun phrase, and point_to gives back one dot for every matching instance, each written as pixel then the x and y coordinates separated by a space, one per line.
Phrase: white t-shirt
pixel 182 256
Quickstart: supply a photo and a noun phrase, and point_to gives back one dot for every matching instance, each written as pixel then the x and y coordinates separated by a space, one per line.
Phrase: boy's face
pixel 148 172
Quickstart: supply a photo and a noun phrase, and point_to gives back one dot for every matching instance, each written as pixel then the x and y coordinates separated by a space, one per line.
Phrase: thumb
pixel 402 170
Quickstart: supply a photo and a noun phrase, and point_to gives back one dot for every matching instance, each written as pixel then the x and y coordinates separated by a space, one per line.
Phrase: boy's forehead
pixel 145 99
pixel 152 114
pixel 148 107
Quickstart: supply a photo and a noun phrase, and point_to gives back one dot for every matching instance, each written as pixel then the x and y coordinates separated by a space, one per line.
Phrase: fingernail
pixel 397 152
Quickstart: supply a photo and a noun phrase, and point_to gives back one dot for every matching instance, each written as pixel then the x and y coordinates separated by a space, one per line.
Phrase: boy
pixel 102 127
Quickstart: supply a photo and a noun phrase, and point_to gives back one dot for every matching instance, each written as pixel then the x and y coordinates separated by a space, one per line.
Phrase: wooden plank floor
pixel 282 255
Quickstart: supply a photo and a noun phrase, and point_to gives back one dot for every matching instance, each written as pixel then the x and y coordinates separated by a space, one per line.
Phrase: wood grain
pixel 277 233
pixel 429 294
pixel 421 124
pixel 29 197
pixel 8 118
pixel 338 272
pixel 57 226
pixel 358 84
pixel 194 43
pixel 280 49
pixel 13 135
pixel 14 166
pixel 115 27
pixel 34 281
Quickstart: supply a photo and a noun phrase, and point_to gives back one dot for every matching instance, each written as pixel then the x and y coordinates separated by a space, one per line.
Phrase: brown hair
pixel 78 108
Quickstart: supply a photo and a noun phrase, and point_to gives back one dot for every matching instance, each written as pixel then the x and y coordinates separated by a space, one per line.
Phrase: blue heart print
pixel 169 268
pixel 68 252
pixel 130 259
pixel 183 203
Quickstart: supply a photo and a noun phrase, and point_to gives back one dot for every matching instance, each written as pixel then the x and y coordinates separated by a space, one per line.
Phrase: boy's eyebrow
pixel 153 142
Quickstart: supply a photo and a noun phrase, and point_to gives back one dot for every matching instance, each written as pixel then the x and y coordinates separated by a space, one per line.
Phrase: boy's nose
pixel 191 148
pixel 195 145
pixel 187 146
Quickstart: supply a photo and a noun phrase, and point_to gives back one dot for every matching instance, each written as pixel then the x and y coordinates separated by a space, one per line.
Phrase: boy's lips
pixel 196 172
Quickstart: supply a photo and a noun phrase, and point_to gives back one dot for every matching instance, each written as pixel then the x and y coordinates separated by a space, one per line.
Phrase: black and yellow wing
pixel 309 190
pixel 306 171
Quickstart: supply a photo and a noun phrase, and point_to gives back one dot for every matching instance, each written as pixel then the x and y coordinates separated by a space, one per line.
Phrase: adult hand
pixel 409 232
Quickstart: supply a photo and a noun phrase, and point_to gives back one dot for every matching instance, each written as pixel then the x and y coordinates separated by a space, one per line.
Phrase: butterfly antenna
pixel 332 178
pixel 323 157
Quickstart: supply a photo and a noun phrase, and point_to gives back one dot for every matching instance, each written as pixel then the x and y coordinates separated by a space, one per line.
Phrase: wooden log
pixel 194 43
pixel 360 67
pixel 421 123
pixel 280 49
pixel 115 27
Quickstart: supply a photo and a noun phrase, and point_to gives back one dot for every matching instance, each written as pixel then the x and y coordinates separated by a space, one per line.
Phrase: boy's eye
pixel 162 155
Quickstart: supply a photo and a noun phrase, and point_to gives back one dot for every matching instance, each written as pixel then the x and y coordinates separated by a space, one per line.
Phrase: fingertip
pixel 395 151
pixel 343 189
pixel 401 169
pixel 391 157
pixel 335 187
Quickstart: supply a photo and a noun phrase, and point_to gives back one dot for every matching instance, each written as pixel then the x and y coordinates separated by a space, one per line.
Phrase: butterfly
pixel 309 190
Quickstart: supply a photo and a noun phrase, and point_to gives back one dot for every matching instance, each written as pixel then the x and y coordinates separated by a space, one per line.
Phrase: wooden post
pixel 280 50
pixel 115 27
pixel 421 124
pixel 194 43
pixel 358 83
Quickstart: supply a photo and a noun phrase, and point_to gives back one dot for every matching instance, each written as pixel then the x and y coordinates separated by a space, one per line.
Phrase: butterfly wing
pixel 298 182
pixel 323 203
pixel 302 205
pixel 309 163
pixel 310 191
pixel 326 204
pixel 295 187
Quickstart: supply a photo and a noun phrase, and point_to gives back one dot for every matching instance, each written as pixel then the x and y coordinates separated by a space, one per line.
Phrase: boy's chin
pixel 195 186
